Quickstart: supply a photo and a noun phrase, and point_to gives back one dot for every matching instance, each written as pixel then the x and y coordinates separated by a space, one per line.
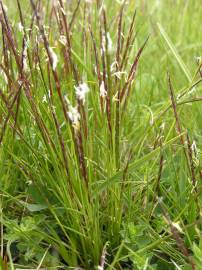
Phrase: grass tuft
pixel 100 135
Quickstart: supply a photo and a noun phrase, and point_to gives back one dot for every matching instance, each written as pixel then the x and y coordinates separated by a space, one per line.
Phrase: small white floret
pixel 81 91
pixel 103 92
pixel 110 43
pixel 44 99
pixel 54 58
pixel 74 117
pixel 20 27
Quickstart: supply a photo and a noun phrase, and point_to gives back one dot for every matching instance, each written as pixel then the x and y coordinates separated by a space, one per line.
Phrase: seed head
pixel 81 91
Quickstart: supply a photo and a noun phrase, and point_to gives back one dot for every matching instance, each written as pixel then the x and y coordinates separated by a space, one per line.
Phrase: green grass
pixel 112 181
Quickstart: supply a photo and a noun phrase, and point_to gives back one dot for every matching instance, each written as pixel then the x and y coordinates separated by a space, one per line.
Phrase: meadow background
pixel 100 132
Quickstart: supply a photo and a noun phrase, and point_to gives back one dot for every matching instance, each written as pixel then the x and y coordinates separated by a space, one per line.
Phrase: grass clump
pixel 100 154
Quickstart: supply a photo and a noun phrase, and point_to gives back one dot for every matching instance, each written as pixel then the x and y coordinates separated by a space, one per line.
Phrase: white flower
pixel 193 147
pixel 109 42
pixel 81 91
pixel 44 100
pixel 198 59
pixel 74 117
pixel 20 27
pixel 54 58
pixel 195 154
pixel 103 92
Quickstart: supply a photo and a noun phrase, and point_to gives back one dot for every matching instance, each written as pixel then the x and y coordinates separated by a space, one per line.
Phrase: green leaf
pixel 175 52
pixel 102 185
pixel 197 252
pixel 34 207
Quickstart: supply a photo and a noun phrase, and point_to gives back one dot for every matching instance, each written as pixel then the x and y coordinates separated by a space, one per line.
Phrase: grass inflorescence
pixel 100 135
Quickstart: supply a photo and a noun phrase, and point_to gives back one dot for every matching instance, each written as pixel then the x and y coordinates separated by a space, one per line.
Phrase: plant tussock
pixel 89 174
